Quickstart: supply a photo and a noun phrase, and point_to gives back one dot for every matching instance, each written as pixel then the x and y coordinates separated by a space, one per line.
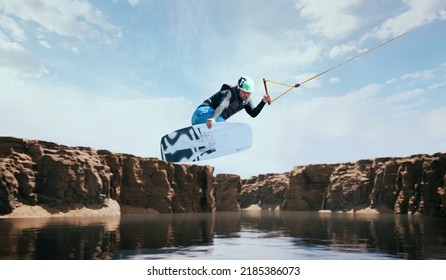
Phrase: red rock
pixel 59 177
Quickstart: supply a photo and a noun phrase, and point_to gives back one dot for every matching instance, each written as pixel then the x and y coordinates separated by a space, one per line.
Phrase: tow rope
pixel 290 87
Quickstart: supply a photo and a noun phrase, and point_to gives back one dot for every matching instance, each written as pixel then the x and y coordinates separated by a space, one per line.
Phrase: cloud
pixel 133 2
pixel 47 23
pixel 434 75
pixel 286 55
pixel 343 49
pixel 437 85
pixel 405 102
pixel 418 13
pixel 8 24
pixel 443 14
pixel 16 61
pixel 45 44
pixel 77 19
pixel 335 80
pixel 336 22
pixel 419 75
pixel 211 51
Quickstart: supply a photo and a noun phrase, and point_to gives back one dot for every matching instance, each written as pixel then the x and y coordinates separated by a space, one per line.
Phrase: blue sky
pixel 118 75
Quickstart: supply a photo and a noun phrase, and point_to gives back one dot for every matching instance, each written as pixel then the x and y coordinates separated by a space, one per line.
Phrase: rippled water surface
pixel 228 235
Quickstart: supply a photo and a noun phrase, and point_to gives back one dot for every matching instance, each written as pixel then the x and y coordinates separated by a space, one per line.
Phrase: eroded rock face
pixel 227 192
pixel 267 191
pixel 307 187
pixel 403 185
pixel 36 172
pixel 55 176
pixel 414 184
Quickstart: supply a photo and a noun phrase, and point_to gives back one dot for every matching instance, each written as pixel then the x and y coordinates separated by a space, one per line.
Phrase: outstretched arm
pixel 223 105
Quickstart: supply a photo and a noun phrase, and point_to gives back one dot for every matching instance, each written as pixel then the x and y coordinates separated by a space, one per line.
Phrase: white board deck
pixel 197 142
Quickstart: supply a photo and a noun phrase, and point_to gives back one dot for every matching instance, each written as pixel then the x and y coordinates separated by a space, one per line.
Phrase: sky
pixel 120 74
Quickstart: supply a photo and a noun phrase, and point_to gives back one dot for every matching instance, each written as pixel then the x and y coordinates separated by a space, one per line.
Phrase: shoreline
pixel 111 208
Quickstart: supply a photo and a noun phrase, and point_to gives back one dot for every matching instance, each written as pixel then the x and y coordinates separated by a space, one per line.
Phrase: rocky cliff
pixel 414 184
pixel 61 178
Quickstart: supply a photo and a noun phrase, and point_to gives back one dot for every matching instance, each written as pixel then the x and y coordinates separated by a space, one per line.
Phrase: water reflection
pixel 241 235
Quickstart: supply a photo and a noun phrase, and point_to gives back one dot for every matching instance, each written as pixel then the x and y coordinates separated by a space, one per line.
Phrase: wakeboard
pixel 197 142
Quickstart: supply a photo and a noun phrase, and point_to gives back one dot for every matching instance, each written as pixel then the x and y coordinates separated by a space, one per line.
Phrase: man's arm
pixel 253 112
pixel 223 105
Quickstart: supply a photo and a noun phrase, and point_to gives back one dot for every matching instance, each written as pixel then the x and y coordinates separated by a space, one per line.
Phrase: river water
pixel 246 235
